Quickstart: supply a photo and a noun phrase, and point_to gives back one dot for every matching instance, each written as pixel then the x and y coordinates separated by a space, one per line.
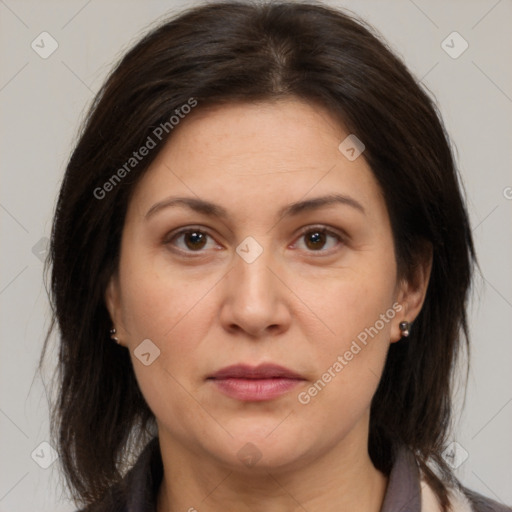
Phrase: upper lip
pixel 262 371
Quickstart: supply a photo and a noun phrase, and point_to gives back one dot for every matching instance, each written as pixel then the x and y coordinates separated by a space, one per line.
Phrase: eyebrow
pixel 215 210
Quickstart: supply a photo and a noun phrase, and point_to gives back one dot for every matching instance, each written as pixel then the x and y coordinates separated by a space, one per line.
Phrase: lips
pixel 263 371
pixel 260 383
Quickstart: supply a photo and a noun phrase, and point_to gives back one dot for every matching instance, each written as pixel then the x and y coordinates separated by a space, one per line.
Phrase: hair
pixel 225 52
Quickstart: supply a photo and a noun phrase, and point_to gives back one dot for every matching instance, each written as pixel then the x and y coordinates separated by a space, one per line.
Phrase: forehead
pixel 265 154
pixel 258 138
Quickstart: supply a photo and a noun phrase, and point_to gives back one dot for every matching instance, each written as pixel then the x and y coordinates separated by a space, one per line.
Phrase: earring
pixel 405 328
pixel 112 335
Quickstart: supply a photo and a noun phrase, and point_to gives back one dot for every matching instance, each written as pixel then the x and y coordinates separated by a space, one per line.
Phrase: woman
pixel 261 259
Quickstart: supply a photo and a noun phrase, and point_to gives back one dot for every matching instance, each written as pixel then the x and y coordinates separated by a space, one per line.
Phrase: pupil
pixel 195 240
pixel 316 240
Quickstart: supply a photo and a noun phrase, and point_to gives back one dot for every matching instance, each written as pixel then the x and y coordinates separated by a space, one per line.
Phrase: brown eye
pixel 315 240
pixel 190 240
pixel 194 239
pixel 319 240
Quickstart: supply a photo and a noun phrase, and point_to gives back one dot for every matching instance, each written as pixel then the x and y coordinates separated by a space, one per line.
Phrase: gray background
pixel 43 100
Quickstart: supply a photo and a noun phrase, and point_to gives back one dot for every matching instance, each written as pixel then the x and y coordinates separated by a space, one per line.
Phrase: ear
pixel 413 290
pixel 113 304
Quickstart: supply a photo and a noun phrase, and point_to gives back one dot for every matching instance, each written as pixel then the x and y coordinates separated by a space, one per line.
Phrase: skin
pixel 299 305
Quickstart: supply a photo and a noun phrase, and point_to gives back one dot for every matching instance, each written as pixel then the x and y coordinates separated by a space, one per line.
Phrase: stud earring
pixel 112 335
pixel 405 328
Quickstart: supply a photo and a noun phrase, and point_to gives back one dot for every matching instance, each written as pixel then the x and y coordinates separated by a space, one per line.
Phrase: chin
pixel 266 446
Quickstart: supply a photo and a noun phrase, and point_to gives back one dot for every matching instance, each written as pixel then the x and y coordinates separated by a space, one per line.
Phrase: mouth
pixel 255 384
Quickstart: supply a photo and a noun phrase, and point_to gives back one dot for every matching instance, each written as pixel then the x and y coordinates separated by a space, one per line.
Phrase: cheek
pixel 159 300
pixel 356 316
pixel 175 311
pixel 174 314
pixel 346 305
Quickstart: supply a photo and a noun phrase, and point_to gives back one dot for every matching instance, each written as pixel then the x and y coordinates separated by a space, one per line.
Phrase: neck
pixel 344 478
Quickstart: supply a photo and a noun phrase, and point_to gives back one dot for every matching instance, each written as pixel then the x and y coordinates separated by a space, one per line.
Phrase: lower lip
pixel 255 390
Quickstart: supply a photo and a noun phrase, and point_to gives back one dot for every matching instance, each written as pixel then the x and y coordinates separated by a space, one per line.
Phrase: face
pixel 252 240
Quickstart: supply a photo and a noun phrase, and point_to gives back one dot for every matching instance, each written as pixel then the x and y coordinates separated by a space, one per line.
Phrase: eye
pixel 190 240
pixel 314 239
pixel 317 238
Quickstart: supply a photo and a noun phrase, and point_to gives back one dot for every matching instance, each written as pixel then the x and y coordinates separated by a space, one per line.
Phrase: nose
pixel 255 300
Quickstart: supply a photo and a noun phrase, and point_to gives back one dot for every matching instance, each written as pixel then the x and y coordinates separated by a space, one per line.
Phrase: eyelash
pixel 170 238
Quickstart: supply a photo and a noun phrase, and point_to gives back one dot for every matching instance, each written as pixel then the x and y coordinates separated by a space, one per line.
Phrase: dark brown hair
pixel 242 51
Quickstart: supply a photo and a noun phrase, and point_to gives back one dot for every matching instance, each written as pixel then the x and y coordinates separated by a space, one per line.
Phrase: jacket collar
pixel 404 492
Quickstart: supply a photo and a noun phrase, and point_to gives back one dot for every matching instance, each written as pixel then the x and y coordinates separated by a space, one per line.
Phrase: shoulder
pixel 461 500
pixel 113 501
pixel 483 504
pixel 137 491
